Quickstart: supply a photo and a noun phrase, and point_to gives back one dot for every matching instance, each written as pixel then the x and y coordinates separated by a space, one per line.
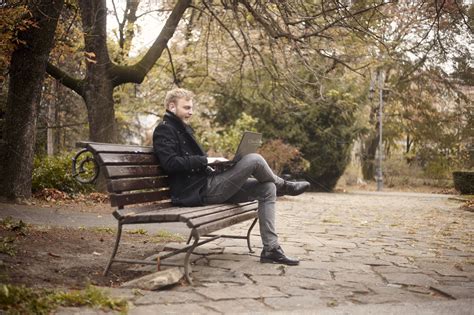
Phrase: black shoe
pixel 277 256
pixel 293 188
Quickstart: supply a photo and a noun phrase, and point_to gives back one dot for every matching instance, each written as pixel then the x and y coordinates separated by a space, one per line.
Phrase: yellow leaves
pixel 12 21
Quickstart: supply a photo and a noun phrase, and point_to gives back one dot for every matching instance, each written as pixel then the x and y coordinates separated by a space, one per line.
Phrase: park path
pixel 361 252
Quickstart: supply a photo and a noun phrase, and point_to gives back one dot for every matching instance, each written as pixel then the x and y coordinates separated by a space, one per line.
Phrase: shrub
pixel 55 172
pixel 437 168
pixel 283 157
pixel 464 182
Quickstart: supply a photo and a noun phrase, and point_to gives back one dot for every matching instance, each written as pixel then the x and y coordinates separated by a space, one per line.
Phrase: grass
pixel 165 236
pixel 22 300
pixel 6 246
pixel 138 232
pixel 20 228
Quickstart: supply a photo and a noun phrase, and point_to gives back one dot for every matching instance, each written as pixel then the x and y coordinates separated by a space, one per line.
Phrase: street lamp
pixel 380 77
pixel 379 174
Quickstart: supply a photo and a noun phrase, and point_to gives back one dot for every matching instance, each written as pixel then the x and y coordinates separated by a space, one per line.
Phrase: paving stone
pixel 358 277
pixel 418 279
pixel 398 260
pixel 444 269
pixel 208 274
pixel 339 244
pixel 395 269
pixel 226 264
pixel 335 265
pixel 188 308
pixel 168 297
pixel 457 292
pixel 387 294
pixel 238 306
pixel 295 302
pixel 257 268
pixel 448 279
pixel 225 291
pixel 288 281
pixel 228 256
pixel 366 260
pixel 319 274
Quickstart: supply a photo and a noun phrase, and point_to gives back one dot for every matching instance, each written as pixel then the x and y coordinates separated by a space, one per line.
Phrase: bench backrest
pixel 132 173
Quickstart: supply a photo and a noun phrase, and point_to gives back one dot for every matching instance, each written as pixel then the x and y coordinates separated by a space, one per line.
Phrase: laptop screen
pixel 248 144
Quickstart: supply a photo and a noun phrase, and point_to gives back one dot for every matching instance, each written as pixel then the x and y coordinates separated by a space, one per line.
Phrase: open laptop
pixel 249 143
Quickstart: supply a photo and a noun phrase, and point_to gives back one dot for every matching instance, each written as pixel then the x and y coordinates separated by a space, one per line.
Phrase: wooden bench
pixel 134 177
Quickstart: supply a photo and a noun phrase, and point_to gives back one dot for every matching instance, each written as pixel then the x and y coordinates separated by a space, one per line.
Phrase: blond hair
pixel 174 95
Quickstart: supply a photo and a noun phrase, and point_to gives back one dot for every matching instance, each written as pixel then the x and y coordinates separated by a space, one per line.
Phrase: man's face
pixel 182 108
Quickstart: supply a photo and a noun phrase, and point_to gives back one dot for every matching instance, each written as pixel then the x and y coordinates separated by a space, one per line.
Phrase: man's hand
pixel 212 160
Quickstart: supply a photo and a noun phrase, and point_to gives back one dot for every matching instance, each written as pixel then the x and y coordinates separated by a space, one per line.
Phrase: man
pixel 193 184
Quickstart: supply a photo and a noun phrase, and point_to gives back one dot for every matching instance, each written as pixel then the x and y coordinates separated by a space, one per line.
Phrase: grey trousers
pixel 236 185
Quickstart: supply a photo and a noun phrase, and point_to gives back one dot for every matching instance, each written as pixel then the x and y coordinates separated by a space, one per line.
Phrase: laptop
pixel 249 143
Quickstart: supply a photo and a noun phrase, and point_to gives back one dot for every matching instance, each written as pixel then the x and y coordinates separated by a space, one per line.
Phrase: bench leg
pixel 187 267
pixel 189 239
pixel 248 235
pixel 117 242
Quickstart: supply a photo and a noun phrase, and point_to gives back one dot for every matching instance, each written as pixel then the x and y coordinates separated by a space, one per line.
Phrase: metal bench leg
pixel 248 235
pixel 187 267
pixel 117 242
pixel 189 239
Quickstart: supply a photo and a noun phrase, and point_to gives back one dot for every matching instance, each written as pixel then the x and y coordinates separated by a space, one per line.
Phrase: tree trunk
pixel 98 87
pixel 27 70
pixel 368 150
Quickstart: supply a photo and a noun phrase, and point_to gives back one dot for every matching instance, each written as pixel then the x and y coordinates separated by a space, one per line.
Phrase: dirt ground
pixel 69 258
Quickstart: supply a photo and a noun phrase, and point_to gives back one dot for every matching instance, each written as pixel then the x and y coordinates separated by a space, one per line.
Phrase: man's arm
pixel 165 146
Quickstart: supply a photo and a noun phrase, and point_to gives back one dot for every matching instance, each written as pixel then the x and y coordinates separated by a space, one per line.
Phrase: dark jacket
pixel 182 158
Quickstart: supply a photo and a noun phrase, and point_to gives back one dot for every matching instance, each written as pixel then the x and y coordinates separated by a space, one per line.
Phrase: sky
pixel 149 24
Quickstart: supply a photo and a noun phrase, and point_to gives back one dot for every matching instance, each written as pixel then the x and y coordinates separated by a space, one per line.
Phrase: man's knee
pixel 254 157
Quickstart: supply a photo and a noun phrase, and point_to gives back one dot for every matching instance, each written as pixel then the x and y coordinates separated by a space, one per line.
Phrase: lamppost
pixel 380 77
pixel 379 174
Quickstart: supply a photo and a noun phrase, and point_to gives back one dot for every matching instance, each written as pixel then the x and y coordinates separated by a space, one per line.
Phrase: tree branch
pixel 137 72
pixel 65 79
pixel 170 57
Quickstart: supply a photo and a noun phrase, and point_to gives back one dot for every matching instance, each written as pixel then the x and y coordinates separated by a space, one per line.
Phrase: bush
pixel 437 168
pixel 55 172
pixel 464 182
pixel 283 157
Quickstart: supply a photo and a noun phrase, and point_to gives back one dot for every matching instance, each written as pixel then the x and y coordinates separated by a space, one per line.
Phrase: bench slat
pixel 121 148
pixel 128 184
pixel 119 214
pixel 133 171
pixel 219 216
pixel 162 214
pixel 127 158
pixel 118 200
pixel 214 226
pixel 208 211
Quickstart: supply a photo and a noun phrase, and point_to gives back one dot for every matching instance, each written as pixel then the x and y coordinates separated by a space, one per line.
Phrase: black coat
pixel 182 158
